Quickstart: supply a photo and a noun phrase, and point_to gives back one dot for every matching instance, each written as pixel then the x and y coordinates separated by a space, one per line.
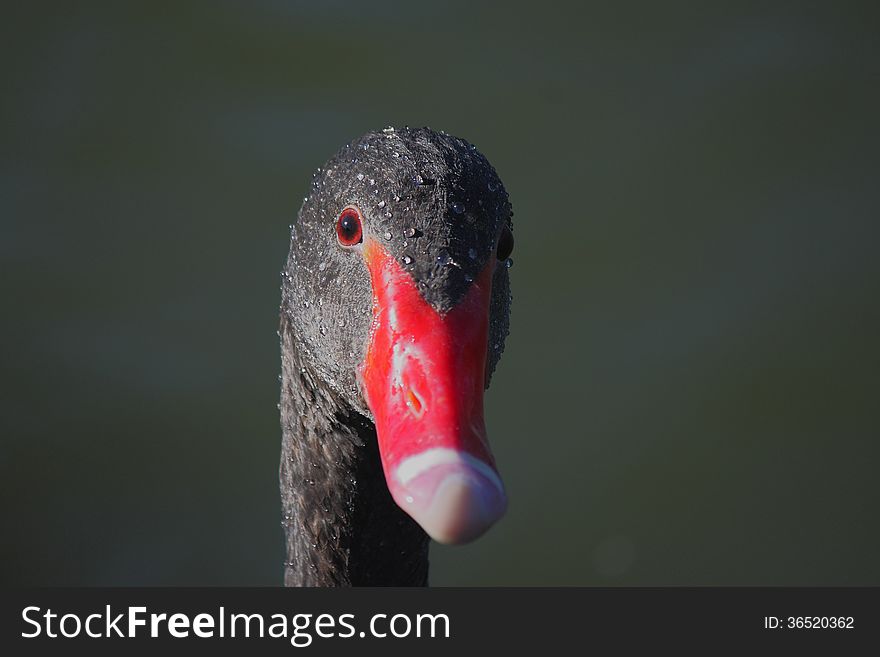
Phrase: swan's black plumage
pixel 436 205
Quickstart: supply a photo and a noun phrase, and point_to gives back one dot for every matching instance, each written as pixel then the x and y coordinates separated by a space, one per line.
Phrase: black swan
pixel 395 307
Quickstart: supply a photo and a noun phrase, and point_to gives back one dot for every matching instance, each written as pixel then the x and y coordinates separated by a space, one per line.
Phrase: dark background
pixel 690 390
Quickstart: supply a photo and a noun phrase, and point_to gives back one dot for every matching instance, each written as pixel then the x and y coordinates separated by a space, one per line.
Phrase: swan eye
pixel 349 230
pixel 505 244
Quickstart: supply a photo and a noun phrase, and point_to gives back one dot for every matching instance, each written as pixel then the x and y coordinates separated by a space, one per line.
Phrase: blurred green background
pixel 690 389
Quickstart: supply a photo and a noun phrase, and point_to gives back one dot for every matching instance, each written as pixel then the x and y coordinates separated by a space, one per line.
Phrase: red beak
pixel 423 378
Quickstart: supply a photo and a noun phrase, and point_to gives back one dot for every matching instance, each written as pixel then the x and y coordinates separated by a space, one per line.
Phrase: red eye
pixel 505 244
pixel 348 227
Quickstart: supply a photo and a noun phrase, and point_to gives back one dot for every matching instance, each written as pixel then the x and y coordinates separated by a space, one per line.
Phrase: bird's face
pixel 397 288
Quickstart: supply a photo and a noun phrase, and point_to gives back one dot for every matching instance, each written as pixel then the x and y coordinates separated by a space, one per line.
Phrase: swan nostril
pixel 415 403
